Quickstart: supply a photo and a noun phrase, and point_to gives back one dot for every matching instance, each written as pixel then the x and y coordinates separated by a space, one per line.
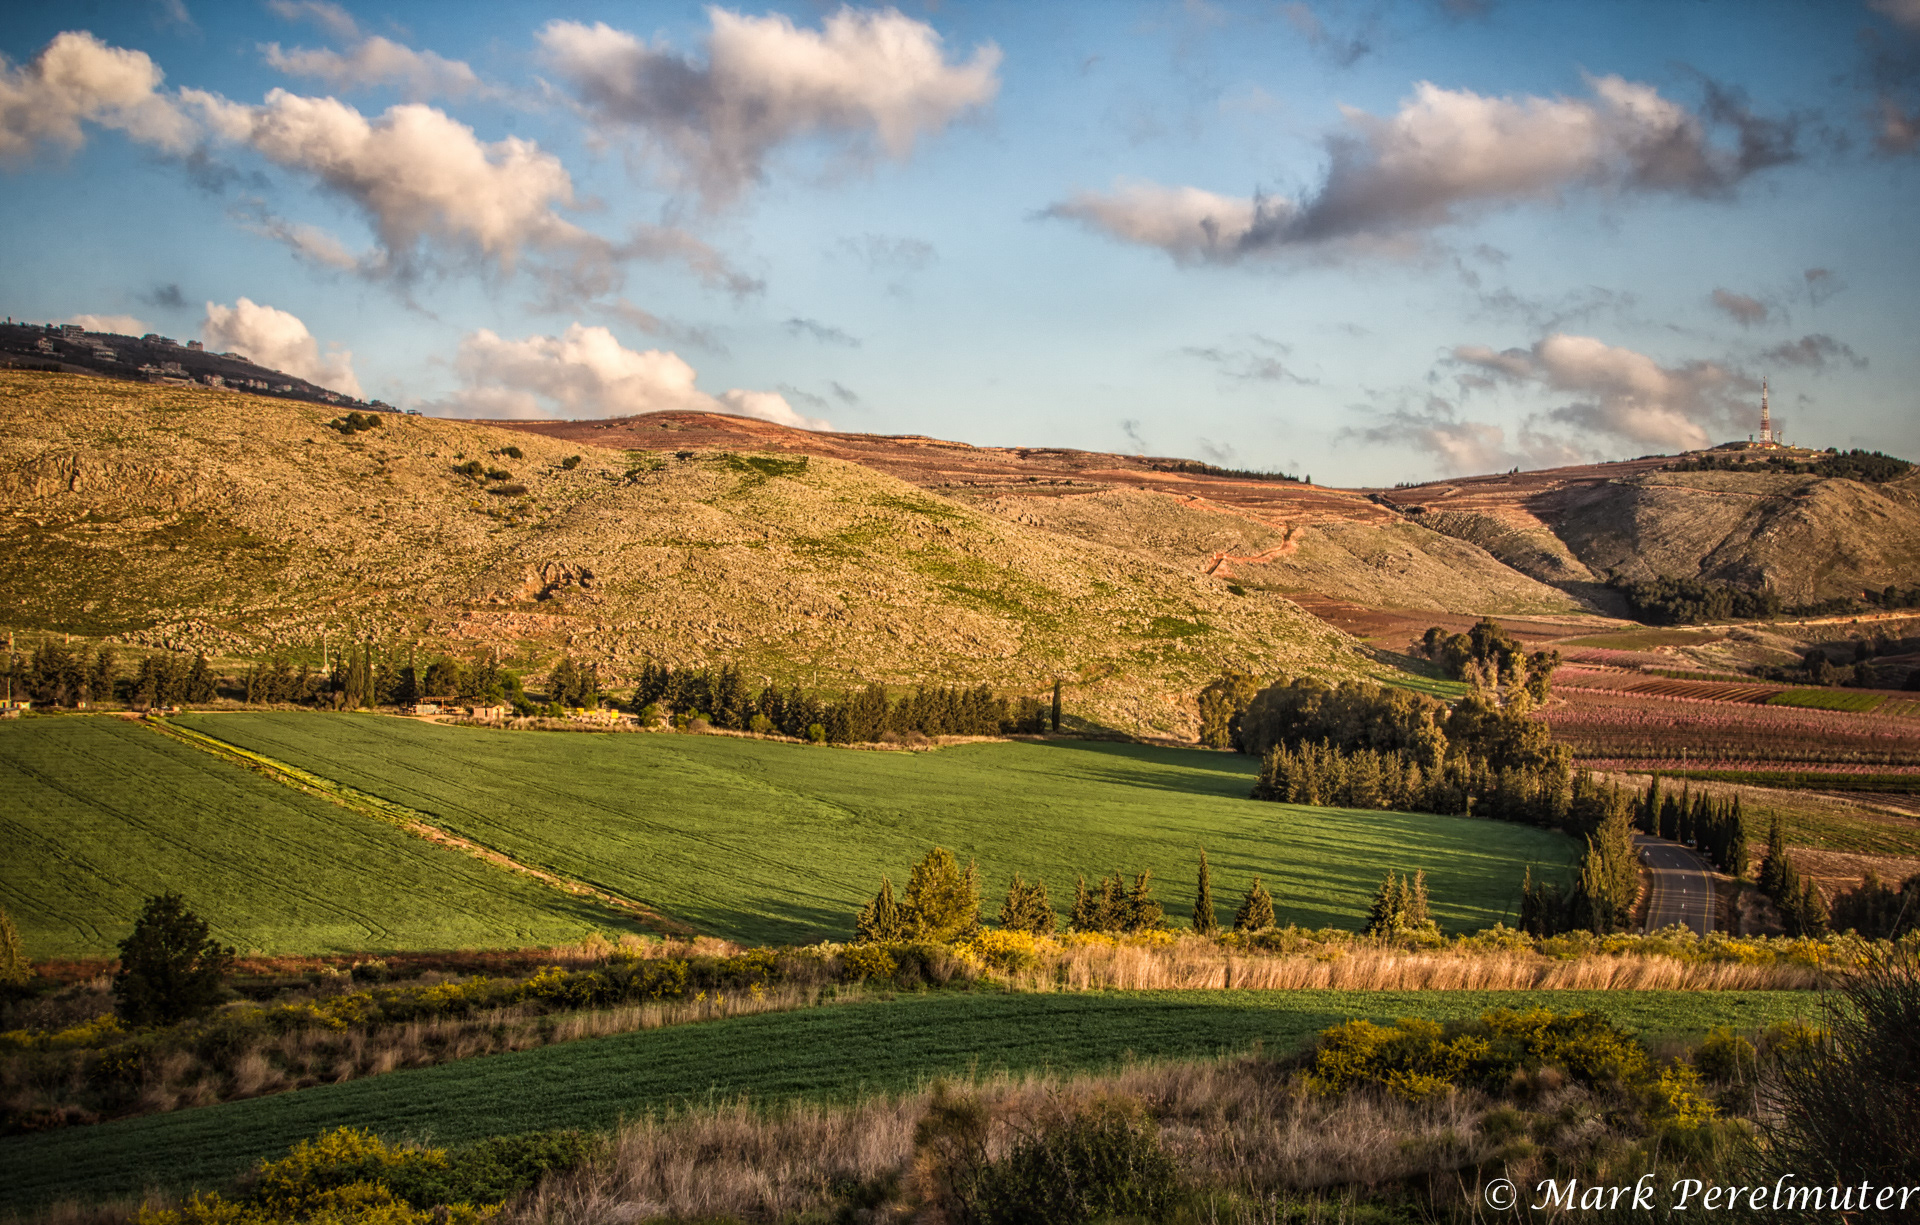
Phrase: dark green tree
pixel 1056 706
pixel 1775 868
pixel 1027 908
pixel 1205 922
pixel 1256 909
pixel 200 683
pixel 1222 704
pixel 170 967
pixel 1738 852
pixel 880 920
pixel 1143 910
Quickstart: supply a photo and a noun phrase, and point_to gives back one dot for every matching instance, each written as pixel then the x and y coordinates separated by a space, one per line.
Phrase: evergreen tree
pixel 170 967
pixel 1027 908
pixel 1056 706
pixel 1775 868
pixel 1809 915
pixel 879 921
pixel 1383 915
pixel 1256 909
pixel 942 903
pixel 1543 907
pixel 1738 853
pixel 1143 910
pixel 1205 922
pixel 200 683
pixel 1085 911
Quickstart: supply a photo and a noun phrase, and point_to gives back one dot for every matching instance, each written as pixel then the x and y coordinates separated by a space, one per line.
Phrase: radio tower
pixel 1766 417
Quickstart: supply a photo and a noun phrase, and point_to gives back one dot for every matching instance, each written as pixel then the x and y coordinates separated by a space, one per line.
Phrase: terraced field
pixel 775 842
pixel 96 814
pixel 834 1052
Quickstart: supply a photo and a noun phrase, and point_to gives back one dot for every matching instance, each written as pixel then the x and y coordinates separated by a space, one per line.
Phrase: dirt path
pixel 409 819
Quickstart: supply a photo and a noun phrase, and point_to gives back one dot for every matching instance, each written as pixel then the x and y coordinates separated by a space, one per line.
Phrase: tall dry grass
pixel 1192 964
pixel 1243 1125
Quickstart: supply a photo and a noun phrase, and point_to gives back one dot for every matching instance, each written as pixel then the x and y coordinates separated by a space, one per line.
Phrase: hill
pixel 1256 531
pixel 1806 537
pixel 206 520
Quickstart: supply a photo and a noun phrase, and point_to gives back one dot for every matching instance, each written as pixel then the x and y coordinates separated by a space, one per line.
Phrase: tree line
pixel 1869 467
pixel 941 904
pixel 722 697
pixel 59 675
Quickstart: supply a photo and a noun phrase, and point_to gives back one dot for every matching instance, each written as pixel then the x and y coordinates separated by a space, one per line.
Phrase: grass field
pixel 96 814
pixel 1828 699
pixel 777 842
pixel 833 1052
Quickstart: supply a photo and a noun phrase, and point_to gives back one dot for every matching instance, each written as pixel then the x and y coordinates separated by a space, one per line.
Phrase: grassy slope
pixel 832 1052
pixel 769 841
pixel 242 525
pixel 95 814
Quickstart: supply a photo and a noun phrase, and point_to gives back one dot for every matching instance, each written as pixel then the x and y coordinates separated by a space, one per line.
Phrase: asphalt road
pixel 1680 889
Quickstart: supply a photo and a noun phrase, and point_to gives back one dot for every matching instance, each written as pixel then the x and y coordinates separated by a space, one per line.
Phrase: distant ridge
pixel 70 349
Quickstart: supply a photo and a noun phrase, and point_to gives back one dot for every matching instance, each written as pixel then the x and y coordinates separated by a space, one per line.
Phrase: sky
pixel 1365 241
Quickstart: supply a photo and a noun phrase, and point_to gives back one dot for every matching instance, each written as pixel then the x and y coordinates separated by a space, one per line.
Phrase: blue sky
pixel 1370 242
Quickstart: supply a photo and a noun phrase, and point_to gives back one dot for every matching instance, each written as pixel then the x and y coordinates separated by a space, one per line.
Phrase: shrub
pixel 867 961
pixel 473 468
pixel 570 462
pixel 1847 1109
pixel 170 968
pixel 508 491
pixel 499 474
pixel 1416 1059
pixel 511 452
pixel 1102 1161
pixel 15 969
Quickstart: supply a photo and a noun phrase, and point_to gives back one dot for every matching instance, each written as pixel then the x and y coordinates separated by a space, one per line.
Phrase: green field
pixel 767 841
pixel 833 1052
pixel 96 814
pixel 1829 699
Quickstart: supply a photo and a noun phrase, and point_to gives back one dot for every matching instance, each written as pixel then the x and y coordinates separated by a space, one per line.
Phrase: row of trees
pixel 1686 601
pixel 1870 467
pixel 942 904
pixel 722 697
pixel 1716 828
pixel 363 677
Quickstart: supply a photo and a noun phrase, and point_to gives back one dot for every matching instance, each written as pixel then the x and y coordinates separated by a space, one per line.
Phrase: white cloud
pixel 77 78
pixel 379 61
pixel 1621 392
pixel 124 325
pixel 280 341
pixel 1445 156
pixel 328 16
pixel 863 79
pixel 588 373
pixel 422 177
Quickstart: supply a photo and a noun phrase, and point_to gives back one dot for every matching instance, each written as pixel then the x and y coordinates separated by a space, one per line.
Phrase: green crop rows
pixel 1828 699
pixel 832 1052
pixel 95 814
pixel 773 842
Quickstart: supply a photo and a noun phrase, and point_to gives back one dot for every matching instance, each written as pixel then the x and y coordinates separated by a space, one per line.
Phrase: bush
pixel 570 462
pixel 1102 1161
pixel 1848 1109
pixel 170 968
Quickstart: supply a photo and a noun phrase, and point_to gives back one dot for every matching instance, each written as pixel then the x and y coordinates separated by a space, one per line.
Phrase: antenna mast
pixel 1766 416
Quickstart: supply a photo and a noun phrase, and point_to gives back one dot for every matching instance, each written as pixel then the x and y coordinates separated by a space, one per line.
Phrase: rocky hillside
pixel 207 520
pixel 1286 536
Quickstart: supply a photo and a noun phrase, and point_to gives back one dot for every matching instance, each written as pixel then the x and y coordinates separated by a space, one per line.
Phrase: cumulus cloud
pixel 379 61
pixel 1446 156
pixel 1462 446
pixel 124 325
pixel 78 79
pixel 329 17
pixel 588 373
pixel 1740 308
pixel 278 340
pixel 1618 391
pixel 868 81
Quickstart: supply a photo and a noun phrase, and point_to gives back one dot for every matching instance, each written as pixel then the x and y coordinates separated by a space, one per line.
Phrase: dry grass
pixel 1244 1125
pixel 1191 964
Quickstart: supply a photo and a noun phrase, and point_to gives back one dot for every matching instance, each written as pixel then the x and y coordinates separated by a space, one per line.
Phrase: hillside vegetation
pixel 240 525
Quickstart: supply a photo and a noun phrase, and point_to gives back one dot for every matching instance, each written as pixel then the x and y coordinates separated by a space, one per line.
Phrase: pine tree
pixel 942 903
pixel 1775 867
pixel 1205 922
pixel 1416 915
pixel 1810 915
pixel 879 922
pixel 1027 908
pixel 1383 915
pixel 200 682
pixel 1084 916
pixel 170 967
pixel 1143 910
pixel 1256 909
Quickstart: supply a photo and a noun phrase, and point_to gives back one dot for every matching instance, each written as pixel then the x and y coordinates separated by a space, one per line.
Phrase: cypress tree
pixel 1027 908
pixel 1383 914
pixel 879 922
pixel 1738 852
pixel 1056 706
pixel 1256 909
pixel 1775 868
pixel 1205 922
pixel 1084 911
pixel 1143 912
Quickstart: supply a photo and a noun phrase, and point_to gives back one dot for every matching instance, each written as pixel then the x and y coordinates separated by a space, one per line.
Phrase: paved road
pixel 1680 887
